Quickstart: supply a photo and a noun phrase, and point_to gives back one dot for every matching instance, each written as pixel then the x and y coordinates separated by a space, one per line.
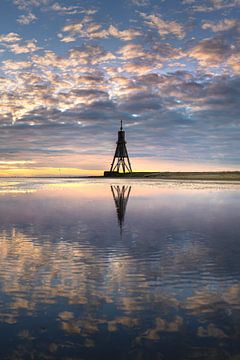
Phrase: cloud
pixel 73 28
pixel 91 87
pixel 202 8
pixel 66 39
pixel 222 25
pixel 188 2
pixel 27 4
pixel 167 51
pixel 72 82
pixel 211 51
pixel 90 54
pixel 139 60
pixel 121 81
pixel 91 30
pixel 10 38
pixel 223 4
pixel 65 10
pixel 234 62
pixel 50 59
pixel 27 19
pixel 141 2
pixel 218 52
pixel 54 83
pixel 25 48
pixel 14 43
pixel 15 65
pixel 71 10
pixel 213 5
pixel 139 68
pixel 141 102
pixel 126 35
pixel 131 51
pixel 164 27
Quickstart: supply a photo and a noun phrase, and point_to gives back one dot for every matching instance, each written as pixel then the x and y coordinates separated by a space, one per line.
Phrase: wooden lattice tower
pixel 121 159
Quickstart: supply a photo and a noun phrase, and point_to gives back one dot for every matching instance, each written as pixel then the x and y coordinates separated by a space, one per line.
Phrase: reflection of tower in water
pixel 121 196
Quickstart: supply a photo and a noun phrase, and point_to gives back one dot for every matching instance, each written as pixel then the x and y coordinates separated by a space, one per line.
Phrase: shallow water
pixel 97 269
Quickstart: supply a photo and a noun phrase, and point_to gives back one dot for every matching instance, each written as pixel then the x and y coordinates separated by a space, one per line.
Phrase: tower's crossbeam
pixel 121 159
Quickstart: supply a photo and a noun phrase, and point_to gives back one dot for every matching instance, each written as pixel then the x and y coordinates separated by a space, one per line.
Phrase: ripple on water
pixel 70 277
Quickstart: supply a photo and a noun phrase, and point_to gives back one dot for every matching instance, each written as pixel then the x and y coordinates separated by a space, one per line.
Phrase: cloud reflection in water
pixel 72 286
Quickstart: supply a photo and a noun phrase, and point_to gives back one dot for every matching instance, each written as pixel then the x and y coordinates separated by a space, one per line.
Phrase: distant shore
pixel 218 175
pixel 166 175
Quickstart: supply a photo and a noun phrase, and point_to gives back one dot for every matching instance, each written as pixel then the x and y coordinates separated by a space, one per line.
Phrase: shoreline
pixel 208 176
pixel 201 175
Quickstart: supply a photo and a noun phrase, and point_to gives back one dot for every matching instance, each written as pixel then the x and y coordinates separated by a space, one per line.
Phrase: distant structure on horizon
pixel 121 158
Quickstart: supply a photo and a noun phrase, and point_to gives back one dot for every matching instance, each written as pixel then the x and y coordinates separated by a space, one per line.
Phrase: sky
pixel 71 70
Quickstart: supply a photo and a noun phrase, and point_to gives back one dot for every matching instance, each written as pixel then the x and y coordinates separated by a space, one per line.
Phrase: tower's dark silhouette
pixel 121 196
pixel 121 158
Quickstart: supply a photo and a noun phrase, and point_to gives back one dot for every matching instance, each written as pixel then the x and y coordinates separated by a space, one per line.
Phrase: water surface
pixel 97 269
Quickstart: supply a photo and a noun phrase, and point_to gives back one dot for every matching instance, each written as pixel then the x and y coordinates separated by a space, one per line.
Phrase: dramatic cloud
pixel 173 80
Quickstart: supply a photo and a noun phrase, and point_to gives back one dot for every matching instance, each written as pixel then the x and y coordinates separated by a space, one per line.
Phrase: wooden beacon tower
pixel 121 159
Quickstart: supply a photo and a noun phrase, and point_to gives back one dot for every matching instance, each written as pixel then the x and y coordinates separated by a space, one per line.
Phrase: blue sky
pixel 70 70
